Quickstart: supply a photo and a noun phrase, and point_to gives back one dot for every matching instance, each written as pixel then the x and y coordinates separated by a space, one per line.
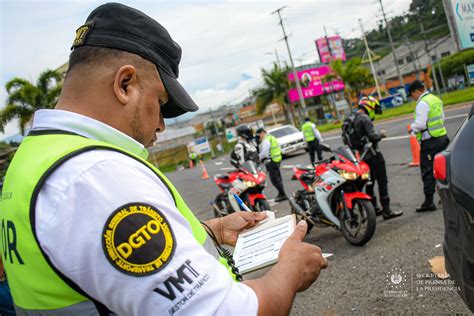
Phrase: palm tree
pixel 24 98
pixel 355 76
pixel 275 89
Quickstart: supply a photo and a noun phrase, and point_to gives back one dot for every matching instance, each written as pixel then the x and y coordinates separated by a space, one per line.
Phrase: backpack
pixel 349 137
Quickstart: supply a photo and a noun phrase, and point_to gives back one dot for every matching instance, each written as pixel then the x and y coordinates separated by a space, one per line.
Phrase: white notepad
pixel 258 247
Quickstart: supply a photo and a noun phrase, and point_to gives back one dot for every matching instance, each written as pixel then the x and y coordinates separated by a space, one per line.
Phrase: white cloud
pixel 221 40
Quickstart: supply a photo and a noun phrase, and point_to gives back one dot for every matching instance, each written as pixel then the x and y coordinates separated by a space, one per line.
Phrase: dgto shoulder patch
pixel 138 240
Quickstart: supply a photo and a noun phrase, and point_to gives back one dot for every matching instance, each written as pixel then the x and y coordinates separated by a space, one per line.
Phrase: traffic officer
pixel 313 137
pixel 89 227
pixel 365 132
pixel 193 157
pixel 246 147
pixel 270 155
pixel 431 132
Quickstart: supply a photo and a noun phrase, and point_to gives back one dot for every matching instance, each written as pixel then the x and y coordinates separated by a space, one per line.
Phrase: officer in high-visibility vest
pixel 429 128
pixel 89 227
pixel 270 154
pixel 313 137
pixel 193 157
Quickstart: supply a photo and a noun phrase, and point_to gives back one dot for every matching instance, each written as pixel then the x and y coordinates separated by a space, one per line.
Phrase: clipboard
pixel 258 247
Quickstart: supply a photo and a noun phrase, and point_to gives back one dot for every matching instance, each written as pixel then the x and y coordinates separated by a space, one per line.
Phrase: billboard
pixel 463 11
pixel 200 146
pixel 312 83
pixel 335 49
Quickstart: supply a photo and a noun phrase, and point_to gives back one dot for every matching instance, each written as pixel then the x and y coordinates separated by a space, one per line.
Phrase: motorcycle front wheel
pixel 359 228
pixel 261 205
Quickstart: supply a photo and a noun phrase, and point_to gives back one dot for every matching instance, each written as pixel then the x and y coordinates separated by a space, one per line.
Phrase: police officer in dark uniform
pixel 429 128
pixel 364 132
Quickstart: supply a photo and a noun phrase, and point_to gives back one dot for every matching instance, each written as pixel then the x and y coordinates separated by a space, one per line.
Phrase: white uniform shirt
pixel 422 110
pixel 264 150
pixel 74 205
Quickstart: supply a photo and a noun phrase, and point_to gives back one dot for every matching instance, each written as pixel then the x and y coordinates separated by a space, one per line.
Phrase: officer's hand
pixel 232 225
pixel 304 258
pixel 383 133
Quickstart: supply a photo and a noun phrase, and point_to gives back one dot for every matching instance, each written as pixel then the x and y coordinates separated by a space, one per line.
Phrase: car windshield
pixel 287 130
pixel 345 152
pixel 250 166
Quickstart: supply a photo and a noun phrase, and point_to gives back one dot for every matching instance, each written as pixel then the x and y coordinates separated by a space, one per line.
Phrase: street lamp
pixel 276 56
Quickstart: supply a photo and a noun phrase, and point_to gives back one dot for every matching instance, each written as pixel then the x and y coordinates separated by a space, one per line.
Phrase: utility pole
pixel 295 75
pixel 331 88
pixel 370 60
pixel 412 56
pixel 395 59
pixel 428 50
pixel 216 131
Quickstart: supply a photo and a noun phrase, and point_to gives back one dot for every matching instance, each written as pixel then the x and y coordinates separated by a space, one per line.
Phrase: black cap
pixel 117 26
pixel 259 130
pixel 415 85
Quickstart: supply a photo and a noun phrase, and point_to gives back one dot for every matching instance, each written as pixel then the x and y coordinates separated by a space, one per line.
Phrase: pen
pixel 241 203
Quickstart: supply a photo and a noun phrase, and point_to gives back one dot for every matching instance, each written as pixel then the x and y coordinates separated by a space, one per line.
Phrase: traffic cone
pixel 415 150
pixel 205 176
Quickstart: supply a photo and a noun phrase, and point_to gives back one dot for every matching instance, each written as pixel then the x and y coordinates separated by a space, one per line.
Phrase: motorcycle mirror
pixel 325 147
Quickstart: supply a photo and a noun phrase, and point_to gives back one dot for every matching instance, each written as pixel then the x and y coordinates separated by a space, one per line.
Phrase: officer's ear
pixel 126 86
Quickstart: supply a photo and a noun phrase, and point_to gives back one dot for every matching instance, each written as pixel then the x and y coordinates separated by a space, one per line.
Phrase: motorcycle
pixel 333 195
pixel 247 182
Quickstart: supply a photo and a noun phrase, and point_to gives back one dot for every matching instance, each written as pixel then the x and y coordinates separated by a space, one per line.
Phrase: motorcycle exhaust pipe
pixel 300 211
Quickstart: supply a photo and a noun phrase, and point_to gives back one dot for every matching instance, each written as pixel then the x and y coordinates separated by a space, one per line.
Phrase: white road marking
pixel 227 168
pixel 218 163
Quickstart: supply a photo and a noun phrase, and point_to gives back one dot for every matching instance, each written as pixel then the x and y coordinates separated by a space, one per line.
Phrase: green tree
pixel 454 64
pixel 24 98
pixel 355 76
pixel 275 89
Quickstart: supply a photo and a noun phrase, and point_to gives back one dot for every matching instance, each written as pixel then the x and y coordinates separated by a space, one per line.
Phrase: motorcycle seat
pixel 305 168
pixel 222 176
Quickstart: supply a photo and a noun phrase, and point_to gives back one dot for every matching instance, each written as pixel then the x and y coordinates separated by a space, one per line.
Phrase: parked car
pixel 454 172
pixel 290 138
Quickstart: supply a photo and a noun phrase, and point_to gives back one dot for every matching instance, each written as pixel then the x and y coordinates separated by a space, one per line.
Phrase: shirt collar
pixel 87 127
pixel 421 96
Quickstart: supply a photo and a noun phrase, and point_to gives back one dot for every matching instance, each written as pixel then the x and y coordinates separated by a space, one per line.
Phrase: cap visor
pixel 179 101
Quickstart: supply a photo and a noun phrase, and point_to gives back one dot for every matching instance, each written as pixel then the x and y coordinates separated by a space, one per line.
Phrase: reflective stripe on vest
pixel 34 283
pixel 434 124
pixel 308 133
pixel 275 148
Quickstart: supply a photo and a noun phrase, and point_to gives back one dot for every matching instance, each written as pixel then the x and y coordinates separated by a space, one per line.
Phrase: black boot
pixel 281 197
pixel 387 212
pixel 427 205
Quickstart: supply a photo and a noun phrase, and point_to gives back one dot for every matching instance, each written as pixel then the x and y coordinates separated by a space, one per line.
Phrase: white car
pixel 290 138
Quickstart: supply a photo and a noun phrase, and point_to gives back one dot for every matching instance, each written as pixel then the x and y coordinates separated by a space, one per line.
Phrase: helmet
pixel 371 106
pixel 245 132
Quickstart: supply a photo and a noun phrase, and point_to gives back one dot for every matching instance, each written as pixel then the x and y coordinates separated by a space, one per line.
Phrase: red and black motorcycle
pixel 333 195
pixel 248 182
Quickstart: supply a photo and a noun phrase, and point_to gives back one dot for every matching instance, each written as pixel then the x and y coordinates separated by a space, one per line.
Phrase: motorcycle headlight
pixel 348 175
pixel 365 176
pixel 250 184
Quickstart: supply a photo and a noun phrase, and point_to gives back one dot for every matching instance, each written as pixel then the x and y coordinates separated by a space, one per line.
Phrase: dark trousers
pixel 429 148
pixel 313 148
pixel 378 172
pixel 275 176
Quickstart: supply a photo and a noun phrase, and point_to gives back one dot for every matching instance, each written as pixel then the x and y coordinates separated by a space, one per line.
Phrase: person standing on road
pixel 93 228
pixel 246 148
pixel 193 157
pixel 364 133
pixel 429 128
pixel 313 137
pixel 270 155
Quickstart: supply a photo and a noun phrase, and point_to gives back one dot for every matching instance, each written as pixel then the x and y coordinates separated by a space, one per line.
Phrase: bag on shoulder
pixel 349 137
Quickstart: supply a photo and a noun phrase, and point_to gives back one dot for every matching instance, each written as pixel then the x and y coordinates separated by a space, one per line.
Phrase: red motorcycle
pixel 333 197
pixel 248 182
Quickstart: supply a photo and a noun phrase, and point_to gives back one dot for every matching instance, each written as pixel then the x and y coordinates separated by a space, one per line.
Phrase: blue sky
pixel 224 42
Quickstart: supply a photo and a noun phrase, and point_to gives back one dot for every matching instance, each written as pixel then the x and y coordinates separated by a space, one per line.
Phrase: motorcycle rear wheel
pixel 359 229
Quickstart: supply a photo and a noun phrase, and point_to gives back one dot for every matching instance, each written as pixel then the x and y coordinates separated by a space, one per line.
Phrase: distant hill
pixel 403 27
